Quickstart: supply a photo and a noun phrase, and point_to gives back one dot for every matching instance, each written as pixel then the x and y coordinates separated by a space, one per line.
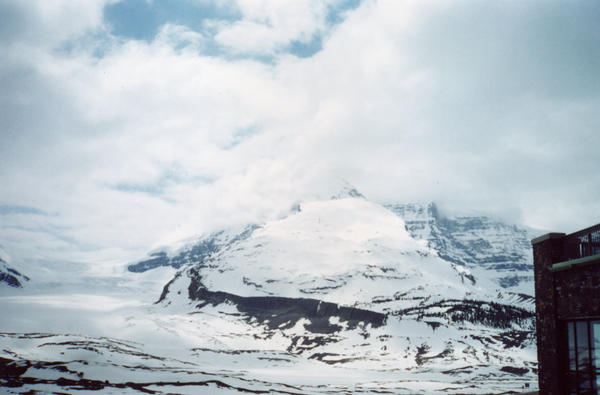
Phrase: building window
pixel 583 348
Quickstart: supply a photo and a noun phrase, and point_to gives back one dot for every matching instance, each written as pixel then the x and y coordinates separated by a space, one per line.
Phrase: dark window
pixel 583 351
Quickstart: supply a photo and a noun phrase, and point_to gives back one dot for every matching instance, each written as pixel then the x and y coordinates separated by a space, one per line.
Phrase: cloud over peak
pixel 206 114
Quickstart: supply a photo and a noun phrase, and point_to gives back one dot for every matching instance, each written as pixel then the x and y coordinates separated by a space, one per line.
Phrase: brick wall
pixel 577 292
pixel 547 250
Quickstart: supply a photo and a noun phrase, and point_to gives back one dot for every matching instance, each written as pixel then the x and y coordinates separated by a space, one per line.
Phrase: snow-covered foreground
pixel 92 343
pixel 335 298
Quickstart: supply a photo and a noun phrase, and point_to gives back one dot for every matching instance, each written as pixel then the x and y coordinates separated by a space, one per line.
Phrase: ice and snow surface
pixel 346 251
pixel 334 249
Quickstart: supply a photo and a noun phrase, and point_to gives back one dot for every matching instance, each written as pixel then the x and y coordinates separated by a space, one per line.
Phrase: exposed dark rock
pixel 10 280
pixel 281 313
pixel 166 288
pixel 326 357
pixel 421 351
pixel 12 368
pixel 515 338
pixel 304 343
pixel 156 259
pixel 515 370
pixel 433 324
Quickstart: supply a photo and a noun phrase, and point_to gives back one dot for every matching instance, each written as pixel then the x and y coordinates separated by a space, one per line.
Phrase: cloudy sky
pixel 129 124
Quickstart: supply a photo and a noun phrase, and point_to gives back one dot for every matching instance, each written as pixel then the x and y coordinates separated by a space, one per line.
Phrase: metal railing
pixel 585 242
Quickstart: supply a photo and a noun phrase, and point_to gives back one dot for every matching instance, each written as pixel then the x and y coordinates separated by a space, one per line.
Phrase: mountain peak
pixel 347 190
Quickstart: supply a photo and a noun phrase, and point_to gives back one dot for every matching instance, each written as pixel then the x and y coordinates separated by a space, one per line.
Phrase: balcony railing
pixel 583 243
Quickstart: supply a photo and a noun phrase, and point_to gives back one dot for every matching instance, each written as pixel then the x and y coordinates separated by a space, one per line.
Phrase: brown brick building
pixel 567 287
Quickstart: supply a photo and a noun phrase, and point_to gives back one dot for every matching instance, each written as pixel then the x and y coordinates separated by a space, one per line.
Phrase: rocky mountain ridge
pixel 475 242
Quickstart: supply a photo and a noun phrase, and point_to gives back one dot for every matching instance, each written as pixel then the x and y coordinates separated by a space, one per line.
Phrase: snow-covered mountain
pixel 9 276
pixel 347 281
pixel 341 295
pixel 194 250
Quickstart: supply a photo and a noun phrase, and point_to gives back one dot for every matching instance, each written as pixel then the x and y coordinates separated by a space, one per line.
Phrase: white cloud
pixel 47 23
pixel 270 25
pixel 178 36
pixel 407 100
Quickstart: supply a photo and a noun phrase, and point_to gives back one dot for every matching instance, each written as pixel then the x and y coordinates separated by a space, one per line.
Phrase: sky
pixel 125 125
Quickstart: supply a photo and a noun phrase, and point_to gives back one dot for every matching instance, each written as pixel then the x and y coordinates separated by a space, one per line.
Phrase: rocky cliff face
pixel 476 242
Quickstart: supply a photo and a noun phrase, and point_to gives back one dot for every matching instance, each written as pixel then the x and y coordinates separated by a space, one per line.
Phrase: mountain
pixel 192 251
pixel 8 275
pixel 475 242
pixel 342 295
pixel 348 282
pixel 196 250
